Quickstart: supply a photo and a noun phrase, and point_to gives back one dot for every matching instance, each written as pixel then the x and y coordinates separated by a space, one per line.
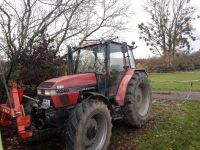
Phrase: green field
pixel 177 127
pixel 177 81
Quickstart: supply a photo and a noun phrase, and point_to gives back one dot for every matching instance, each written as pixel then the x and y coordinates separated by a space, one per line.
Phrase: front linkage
pixel 13 109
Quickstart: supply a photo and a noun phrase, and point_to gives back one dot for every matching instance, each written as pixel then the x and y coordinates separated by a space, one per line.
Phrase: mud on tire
pixel 138 100
pixel 88 127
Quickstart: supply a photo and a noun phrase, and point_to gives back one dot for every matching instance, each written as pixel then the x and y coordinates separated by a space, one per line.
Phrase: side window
pixel 116 62
pixel 99 59
pixel 132 60
pixel 86 61
pixel 127 62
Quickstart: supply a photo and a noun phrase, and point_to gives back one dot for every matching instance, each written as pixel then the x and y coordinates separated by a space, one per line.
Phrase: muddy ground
pixel 118 142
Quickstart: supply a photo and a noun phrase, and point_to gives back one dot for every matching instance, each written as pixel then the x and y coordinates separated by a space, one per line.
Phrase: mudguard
pixel 102 98
pixel 121 92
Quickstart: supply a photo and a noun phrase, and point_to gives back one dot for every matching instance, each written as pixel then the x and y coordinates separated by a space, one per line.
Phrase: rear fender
pixel 141 70
pixel 121 92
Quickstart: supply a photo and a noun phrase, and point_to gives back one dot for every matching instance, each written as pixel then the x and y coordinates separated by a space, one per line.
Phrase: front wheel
pixel 89 126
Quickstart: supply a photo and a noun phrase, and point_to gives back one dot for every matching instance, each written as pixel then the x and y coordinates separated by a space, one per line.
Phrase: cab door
pixel 117 67
pixel 120 59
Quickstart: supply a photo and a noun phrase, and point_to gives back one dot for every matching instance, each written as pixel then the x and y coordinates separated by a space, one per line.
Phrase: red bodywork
pixel 17 111
pixel 71 81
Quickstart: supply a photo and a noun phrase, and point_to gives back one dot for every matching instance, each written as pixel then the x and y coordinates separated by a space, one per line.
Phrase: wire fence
pixel 189 83
pixel 177 81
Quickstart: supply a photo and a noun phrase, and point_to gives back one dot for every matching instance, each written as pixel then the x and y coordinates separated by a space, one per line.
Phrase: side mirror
pixel 133 45
pixel 124 47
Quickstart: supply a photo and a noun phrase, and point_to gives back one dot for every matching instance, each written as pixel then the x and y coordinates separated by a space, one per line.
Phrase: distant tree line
pixel 180 62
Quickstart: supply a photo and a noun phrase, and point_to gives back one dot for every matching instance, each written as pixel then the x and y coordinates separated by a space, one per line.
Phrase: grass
pixel 174 125
pixel 177 81
pixel 1 148
pixel 180 131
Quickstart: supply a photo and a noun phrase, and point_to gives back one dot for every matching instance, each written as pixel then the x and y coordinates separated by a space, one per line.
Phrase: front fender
pixel 121 92
pixel 101 97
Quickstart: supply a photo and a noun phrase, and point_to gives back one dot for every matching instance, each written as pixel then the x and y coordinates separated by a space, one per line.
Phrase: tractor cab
pixel 109 60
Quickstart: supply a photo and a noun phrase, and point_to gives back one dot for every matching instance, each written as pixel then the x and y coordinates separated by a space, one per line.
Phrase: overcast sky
pixel 140 16
pixel 142 51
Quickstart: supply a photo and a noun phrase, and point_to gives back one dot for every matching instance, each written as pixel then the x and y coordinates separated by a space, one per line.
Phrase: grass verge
pixel 166 81
pixel 177 127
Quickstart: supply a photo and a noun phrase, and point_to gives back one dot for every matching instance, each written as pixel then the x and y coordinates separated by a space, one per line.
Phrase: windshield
pixel 91 59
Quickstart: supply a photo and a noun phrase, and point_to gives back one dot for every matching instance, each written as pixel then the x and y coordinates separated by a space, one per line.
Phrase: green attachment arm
pixel 5 86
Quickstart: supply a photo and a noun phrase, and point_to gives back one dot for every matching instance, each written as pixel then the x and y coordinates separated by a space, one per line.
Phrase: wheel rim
pixel 95 132
pixel 142 99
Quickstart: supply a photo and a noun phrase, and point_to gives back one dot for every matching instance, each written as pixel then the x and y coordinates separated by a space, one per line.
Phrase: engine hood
pixel 70 81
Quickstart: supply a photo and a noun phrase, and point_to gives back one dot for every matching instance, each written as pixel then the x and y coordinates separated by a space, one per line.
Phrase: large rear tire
pixel 88 127
pixel 138 100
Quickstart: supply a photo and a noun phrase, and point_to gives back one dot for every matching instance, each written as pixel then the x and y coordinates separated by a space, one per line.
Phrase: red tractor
pixel 103 85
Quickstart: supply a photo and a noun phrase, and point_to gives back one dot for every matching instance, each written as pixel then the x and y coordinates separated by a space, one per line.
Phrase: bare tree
pixel 23 21
pixel 169 29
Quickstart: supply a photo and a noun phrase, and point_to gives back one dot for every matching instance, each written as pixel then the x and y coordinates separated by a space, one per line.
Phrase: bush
pixel 40 63
pixel 37 64
pixel 180 62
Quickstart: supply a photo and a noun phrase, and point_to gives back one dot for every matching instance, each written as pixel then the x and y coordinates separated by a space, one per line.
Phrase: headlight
pixel 60 87
pixel 49 92
pixel 39 92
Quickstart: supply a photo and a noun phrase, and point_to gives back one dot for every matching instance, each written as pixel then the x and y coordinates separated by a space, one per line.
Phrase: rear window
pixel 47 84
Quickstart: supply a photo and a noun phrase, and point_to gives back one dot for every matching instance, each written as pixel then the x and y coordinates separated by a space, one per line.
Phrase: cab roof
pixel 94 43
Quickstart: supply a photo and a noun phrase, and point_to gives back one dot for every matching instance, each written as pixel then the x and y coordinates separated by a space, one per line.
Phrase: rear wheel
pixel 89 126
pixel 138 101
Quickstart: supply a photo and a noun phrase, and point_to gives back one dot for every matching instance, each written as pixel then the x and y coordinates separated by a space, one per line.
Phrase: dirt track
pixel 176 95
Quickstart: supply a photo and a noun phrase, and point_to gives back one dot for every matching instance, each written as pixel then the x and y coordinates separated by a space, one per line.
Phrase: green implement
pixel 1 147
